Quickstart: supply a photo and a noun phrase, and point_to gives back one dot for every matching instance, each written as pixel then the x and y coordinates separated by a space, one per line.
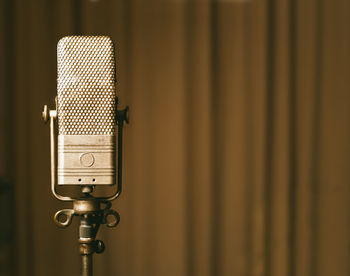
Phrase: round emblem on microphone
pixel 87 159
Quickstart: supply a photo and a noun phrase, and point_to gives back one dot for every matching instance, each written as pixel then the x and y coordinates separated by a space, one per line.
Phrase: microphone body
pixel 87 115
pixel 86 110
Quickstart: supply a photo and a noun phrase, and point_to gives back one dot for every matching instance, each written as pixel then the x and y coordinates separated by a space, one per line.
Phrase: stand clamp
pixel 91 217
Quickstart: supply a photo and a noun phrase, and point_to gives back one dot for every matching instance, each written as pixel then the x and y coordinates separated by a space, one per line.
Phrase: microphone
pixel 86 111
pixel 88 117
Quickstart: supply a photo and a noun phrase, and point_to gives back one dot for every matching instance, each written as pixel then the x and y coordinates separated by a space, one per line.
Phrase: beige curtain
pixel 238 150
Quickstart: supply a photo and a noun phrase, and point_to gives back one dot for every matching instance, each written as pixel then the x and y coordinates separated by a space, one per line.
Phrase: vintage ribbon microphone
pixel 86 109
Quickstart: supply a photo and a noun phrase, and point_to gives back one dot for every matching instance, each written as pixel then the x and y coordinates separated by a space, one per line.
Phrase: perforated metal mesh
pixel 86 85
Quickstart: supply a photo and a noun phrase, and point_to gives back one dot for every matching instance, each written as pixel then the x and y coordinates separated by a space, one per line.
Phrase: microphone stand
pixel 92 211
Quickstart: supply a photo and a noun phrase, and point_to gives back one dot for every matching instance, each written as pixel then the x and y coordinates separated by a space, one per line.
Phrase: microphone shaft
pixel 86 265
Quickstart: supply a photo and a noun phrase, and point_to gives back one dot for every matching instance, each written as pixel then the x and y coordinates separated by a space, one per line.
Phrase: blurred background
pixel 237 156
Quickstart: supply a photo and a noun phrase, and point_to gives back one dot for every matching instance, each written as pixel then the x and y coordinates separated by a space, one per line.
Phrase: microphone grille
pixel 86 85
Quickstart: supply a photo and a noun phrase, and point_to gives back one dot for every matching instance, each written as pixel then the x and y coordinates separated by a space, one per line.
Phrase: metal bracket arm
pixel 51 115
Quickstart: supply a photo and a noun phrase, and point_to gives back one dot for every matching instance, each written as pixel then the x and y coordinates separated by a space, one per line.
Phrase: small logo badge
pixel 87 159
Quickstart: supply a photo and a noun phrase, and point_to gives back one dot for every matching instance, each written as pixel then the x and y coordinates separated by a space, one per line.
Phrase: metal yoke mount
pixel 93 211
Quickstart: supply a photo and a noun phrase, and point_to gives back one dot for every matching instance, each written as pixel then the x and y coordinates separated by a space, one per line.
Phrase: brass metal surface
pixel 86 113
pixel 122 116
pixel 85 206
pixel 86 160
pixel 86 106
pixel 86 85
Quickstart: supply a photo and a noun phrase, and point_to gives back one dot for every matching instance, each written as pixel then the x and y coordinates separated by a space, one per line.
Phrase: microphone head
pixel 86 109
pixel 86 85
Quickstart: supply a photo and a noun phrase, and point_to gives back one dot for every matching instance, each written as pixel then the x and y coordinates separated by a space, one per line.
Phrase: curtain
pixel 236 158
